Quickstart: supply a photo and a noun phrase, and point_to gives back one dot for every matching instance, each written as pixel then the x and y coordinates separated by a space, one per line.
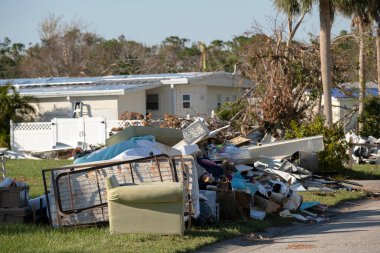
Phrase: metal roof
pixel 58 85
pixel 351 90
pixel 90 80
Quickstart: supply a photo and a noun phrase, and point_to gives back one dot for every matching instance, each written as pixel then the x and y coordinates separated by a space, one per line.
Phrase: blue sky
pixel 148 21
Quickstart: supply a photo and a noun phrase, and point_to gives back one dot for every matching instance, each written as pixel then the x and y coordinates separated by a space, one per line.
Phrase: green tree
pixel 371 117
pixel 326 15
pixel 359 11
pixel 374 12
pixel 10 57
pixel 13 107
pixel 293 9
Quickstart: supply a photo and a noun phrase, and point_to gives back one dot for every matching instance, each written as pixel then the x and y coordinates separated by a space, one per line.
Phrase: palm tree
pixel 13 107
pixel 359 11
pixel 202 62
pixel 374 12
pixel 326 14
pixel 292 9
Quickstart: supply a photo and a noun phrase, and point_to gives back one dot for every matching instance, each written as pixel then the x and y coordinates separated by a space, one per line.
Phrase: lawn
pixel 30 171
pixel 41 238
pixel 360 171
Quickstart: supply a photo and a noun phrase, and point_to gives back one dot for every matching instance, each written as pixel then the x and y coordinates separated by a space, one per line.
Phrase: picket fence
pixel 61 133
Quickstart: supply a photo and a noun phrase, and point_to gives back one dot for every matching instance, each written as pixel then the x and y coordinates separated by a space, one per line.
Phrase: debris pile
pixel 238 177
pixel 227 176
pixel 365 150
pixel 249 184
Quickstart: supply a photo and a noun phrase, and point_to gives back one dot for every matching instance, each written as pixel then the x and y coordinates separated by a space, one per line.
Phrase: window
pixel 152 101
pixel 186 99
pixel 218 100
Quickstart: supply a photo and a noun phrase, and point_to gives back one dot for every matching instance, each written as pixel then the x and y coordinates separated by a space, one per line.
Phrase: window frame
pixel 186 101
pixel 149 103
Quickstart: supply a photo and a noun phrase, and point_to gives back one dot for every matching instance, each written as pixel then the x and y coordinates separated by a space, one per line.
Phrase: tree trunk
pixel 378 58
pixel 361 72
pixel 325 52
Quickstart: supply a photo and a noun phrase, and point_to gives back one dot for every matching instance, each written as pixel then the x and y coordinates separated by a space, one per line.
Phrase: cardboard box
pixel 13 197
pixel 267 205
pixel 15 215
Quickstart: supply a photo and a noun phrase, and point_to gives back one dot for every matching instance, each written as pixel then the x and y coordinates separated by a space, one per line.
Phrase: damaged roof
pixel 351 90
pixel 117 84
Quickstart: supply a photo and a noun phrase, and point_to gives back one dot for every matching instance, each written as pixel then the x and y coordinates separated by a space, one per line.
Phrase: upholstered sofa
pixel 145 208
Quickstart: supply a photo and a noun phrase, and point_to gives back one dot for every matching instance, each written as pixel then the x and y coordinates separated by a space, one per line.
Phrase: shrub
pixel 334 154
pixel 371 117
pixel 4 138
pixel 229 109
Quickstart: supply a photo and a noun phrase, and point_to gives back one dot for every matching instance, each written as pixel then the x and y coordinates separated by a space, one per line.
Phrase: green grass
pixel 33 238
pixel 332 198
pixel 41 238
pixel 30 171
pixel 359 171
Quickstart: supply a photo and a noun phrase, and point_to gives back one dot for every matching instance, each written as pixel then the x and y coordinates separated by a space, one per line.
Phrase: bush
pixel 371 117
pixel 4 138
pixel 229 109
pixel 334 154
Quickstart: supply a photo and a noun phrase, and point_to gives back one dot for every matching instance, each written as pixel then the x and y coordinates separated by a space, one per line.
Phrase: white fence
pixel 63 133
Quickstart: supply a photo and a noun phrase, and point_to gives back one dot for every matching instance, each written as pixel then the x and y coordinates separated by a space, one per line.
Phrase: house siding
pixel 198 100
pixel 61 107
pixel 225 94
pixel 165 101
pixel 339 112
pixel 133 101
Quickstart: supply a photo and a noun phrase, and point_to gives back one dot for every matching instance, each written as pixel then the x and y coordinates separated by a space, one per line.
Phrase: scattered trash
pixel 258 215
pixel 253 237
pixel 300 218
pixel 285 213
pixel 365 149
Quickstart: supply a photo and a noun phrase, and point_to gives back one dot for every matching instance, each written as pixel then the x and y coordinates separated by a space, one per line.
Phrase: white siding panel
pixel 224 92
pixel 132 102
pixel 165 96
pixel 96 106
pixel 198 104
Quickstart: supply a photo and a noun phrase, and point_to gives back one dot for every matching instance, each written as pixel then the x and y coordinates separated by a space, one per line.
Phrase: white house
pixel 345 104
pixel 181 94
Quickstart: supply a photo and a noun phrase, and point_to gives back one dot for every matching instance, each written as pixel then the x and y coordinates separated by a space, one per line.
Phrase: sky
pixel 149 21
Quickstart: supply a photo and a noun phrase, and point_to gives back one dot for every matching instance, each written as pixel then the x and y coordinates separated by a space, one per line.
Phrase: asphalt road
pixel 356 230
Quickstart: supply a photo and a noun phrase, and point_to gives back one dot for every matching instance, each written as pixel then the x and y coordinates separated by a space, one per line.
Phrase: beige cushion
pixel 146 208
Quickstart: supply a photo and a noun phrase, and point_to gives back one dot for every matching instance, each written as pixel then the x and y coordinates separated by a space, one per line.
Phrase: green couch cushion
pixel 165 192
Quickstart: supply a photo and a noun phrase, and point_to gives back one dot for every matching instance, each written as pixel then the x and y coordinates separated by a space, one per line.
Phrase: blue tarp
pixel 239 183
pixel 307 205
pixel 337 93
pixel 110 152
